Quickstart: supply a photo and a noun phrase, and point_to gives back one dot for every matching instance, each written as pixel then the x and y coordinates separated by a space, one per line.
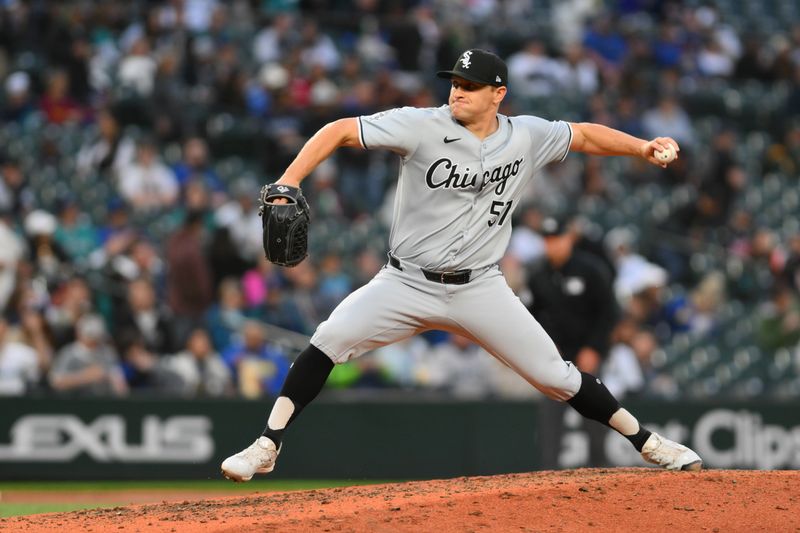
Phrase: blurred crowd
pixel 136 135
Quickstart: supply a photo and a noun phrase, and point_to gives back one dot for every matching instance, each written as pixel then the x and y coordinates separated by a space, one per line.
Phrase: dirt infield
pixel 638 499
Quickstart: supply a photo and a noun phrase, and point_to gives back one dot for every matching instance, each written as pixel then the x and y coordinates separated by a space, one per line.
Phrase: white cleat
pixel 669 454
pixel 258 458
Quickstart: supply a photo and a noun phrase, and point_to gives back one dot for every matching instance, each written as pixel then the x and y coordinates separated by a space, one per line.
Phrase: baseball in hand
pixel 666 156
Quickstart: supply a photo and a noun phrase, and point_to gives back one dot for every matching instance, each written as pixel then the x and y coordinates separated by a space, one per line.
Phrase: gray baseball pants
pixel 397 304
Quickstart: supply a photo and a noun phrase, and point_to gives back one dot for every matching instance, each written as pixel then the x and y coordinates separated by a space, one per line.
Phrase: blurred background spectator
pixel 779 325
pixel 199 370
pixel 89 366
pixel 108 151
pixel 142 317
pixel 20 368
pixel 147 183
pixel 259 367
pixel 622 371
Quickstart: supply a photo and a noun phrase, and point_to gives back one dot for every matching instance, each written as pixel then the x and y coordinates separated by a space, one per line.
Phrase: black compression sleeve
pixel 306 378
pixel 594 400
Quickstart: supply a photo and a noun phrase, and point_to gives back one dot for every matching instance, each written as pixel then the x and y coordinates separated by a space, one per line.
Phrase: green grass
pixel 19 509
pixel 199 484
pixel 211 485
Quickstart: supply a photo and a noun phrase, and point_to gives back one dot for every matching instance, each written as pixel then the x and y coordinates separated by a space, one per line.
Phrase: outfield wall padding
pixel 399 437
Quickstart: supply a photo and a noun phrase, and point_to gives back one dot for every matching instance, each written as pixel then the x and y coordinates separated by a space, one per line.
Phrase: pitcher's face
pixel 469 100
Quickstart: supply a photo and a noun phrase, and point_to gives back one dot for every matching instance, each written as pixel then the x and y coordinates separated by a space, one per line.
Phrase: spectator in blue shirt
pixel 259 367
pixel 227 315
pixel 606 42
pixel 195 165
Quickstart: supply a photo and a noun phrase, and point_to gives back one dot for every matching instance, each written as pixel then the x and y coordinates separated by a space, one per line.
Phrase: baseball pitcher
pixel 463 169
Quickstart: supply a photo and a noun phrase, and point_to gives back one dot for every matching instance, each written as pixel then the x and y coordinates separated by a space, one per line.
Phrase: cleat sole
pixel 234 478
pixel 693 467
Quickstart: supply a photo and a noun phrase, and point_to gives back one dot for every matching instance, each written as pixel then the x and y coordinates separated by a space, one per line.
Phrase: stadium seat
pixel 780 365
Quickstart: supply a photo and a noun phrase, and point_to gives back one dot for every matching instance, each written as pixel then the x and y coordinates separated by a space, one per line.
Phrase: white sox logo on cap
pixel 479 66
pixel 465 59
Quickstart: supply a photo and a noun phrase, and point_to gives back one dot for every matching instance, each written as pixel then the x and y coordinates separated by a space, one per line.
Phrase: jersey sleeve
pixel 396 129
pixel 550 140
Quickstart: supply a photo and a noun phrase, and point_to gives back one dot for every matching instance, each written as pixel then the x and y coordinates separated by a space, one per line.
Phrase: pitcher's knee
pixel 343 344
pixel 328 351
pixel 561 384
pixel 560 394
pixel 333 341
pixel 335 351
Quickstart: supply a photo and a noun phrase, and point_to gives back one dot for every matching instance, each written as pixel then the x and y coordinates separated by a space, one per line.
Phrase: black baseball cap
pixel 480 66
pixel 554 225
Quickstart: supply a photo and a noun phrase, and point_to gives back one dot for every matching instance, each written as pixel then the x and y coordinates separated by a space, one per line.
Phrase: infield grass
pixel 27 490
pixel 20 509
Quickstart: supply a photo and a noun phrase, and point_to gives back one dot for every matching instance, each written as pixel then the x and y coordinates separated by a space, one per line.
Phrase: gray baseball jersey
pixel 456 193
pixel 452 211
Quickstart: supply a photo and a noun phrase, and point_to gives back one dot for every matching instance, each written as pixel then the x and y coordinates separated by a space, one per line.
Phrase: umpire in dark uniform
pixel 573 296
pixel 573 299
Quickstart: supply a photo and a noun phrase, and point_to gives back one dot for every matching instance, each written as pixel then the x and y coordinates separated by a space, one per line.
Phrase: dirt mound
pixel 638 499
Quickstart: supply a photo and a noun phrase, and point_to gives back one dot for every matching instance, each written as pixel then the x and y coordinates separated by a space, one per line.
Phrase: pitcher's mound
pixel 637 499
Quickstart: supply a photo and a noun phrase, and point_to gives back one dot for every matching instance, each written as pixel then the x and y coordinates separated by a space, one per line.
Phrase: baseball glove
pixel 285 226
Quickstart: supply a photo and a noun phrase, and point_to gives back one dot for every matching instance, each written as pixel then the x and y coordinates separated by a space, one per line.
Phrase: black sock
pixel 306 378
pixel 639 439
pixel 593 400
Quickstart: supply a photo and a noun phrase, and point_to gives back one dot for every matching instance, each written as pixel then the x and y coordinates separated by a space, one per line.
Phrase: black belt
pixel 457 277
